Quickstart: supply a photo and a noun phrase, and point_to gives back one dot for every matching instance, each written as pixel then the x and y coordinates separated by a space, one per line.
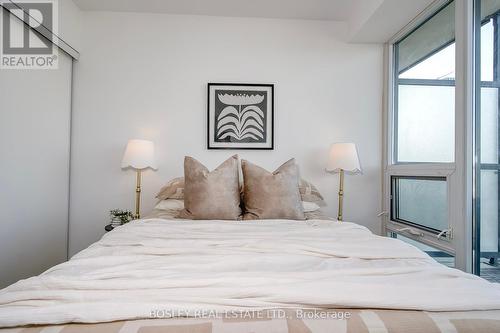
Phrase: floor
pixel 489 272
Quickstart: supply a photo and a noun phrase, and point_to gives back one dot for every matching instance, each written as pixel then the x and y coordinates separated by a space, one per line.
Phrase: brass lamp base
pixel 137 214
pixel 341 195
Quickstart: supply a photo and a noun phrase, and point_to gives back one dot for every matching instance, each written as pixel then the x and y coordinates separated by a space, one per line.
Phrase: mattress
pixel 152 269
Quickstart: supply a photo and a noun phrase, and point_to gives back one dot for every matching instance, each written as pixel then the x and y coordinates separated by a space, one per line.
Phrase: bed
pixel 165 275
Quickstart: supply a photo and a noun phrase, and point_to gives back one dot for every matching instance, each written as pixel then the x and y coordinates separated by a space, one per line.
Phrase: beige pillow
pixel 309 193
pixel 318 215
pixel 272 195
pixel 171 204
pixel 211 195
pixel 308 206
pixel 174 189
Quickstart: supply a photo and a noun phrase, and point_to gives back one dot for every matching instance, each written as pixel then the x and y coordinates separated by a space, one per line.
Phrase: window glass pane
pixel 437 254
pixel 420 201
pixel 440 66
pixel 489 236
pixel 425 123
pixel 489 125
pixel 428 39
pixel 424 106
pixel 489 211
pixel 487 51
pixel 487 182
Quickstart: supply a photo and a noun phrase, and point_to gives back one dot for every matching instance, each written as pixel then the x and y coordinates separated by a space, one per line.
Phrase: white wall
pixel 145 76
pixel 70 23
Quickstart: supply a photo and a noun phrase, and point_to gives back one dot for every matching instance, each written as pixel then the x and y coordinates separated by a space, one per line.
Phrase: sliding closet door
pixel 35 111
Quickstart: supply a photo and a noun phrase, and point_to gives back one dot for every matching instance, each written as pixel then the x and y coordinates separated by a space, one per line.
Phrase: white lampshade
pixel 343 156
pixel 139 154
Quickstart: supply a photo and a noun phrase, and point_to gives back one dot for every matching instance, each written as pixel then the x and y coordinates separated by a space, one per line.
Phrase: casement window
pixel 420 202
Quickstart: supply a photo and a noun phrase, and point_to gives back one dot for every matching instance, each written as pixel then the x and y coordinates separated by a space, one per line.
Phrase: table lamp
pixel 343 158
pixel 139 155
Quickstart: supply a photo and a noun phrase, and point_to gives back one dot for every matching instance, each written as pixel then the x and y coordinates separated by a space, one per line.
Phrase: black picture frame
pixel 263 139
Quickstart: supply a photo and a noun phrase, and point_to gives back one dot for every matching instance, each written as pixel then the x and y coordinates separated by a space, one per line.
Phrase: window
pixel 420 202
pixel 420 172
pixel 424 92
pixel 442 152
pixel 487 147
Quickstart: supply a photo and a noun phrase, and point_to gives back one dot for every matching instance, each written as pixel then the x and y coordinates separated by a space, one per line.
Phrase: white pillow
pixel 170 204
pixel 310 206
pixel 174 204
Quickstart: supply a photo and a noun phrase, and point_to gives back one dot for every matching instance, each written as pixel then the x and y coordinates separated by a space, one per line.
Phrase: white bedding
pixel 157 264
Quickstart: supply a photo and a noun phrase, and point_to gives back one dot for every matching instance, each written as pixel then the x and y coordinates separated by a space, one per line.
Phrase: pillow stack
pixel 216 195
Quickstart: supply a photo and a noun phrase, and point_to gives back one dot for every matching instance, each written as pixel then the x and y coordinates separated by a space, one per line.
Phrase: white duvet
pixel 185 266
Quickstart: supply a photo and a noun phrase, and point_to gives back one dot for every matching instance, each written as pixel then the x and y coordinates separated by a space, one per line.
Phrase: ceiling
pixel 368 21
pixel 336 10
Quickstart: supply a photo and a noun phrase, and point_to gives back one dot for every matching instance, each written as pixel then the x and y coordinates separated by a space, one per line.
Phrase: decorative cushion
pixel 170 204
pixel 309 193
pixel 310 206
pixel 318 215
pixel 174 189
pixel 167 209
pixel 211 195
pixel 272 195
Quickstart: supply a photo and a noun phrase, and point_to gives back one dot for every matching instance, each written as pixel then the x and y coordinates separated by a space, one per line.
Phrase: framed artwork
pixel 240 116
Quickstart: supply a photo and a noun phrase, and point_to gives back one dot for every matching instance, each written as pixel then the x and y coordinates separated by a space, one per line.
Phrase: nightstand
pixel 109 227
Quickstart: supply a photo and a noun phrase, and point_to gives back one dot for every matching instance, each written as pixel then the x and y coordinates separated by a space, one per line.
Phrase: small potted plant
pixel 119 217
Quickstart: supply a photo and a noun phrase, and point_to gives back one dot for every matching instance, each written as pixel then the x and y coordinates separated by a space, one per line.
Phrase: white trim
pixel 439 168
pixel 389 114
pixel 426 238
pixel 464 108
pixel 386 125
